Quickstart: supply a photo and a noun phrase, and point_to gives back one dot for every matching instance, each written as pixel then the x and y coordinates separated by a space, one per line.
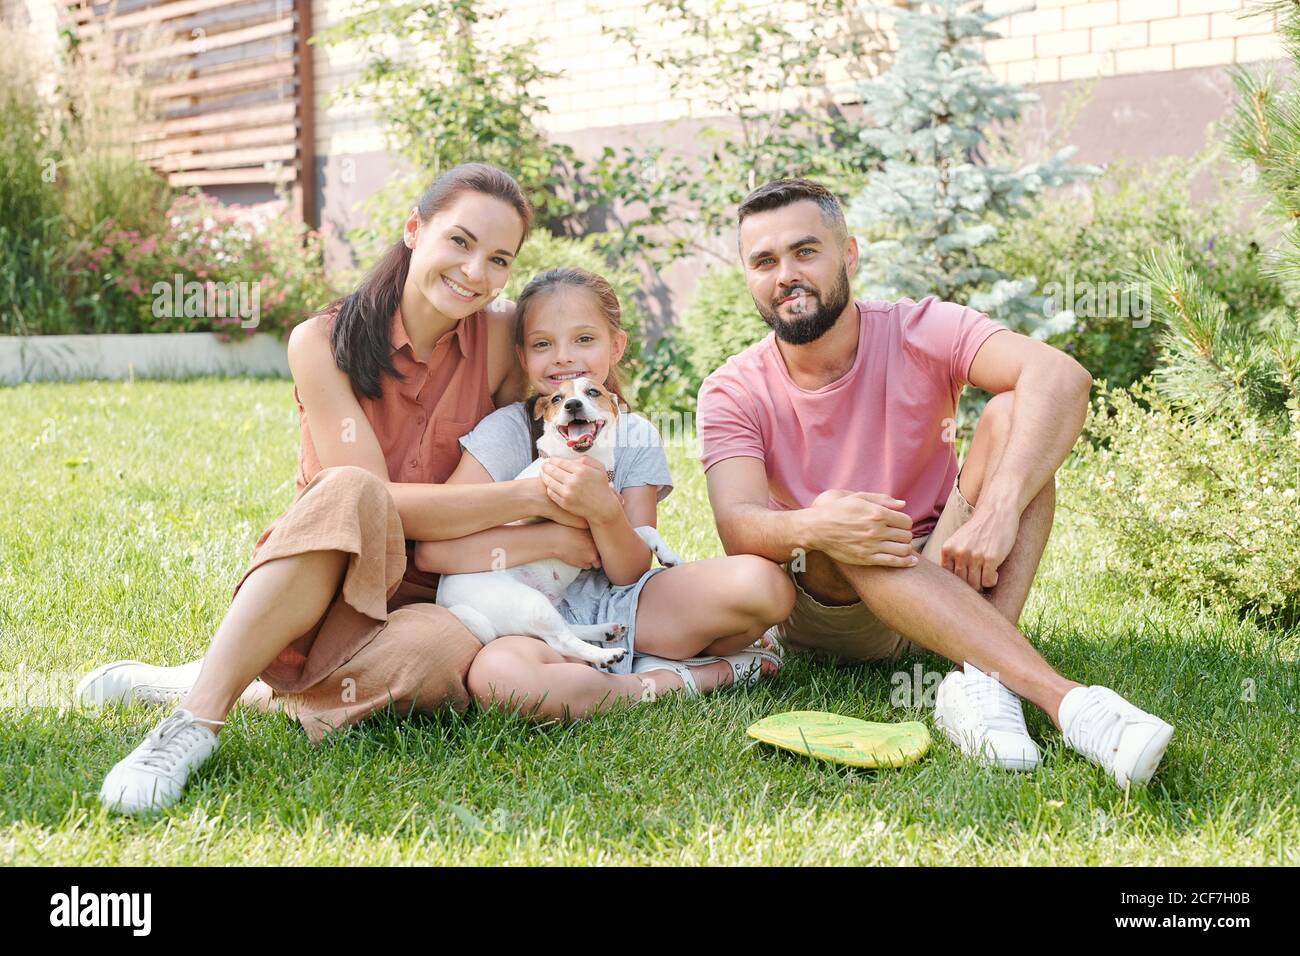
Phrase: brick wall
pixel 601 87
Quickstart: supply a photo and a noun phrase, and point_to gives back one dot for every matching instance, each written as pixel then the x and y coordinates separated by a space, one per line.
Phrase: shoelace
pixel 999 708
pixel 156 694
pixel 1098 725
pixel 171 740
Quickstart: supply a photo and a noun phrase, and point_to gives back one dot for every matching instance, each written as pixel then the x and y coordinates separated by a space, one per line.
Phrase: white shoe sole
pixel 80 695
pixel 1144 767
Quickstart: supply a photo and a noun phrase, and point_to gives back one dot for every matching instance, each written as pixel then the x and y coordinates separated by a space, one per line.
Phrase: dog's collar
pixel 609 474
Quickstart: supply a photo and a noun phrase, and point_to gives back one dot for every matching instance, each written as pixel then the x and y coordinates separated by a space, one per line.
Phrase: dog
pixel 579 419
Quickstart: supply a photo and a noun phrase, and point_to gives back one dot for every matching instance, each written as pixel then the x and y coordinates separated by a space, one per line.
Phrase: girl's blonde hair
pixel 580 279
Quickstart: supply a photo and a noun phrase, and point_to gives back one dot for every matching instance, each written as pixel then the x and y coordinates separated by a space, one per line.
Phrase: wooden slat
pixel 227 158
pixel 217 41
pixel 251 116
pixel 226 80
pixel 231 177
pixel 256 136
pixel 304 188
pixel 163 12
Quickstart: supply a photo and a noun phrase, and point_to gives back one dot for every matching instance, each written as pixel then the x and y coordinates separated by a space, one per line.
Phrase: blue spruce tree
pixel 936 198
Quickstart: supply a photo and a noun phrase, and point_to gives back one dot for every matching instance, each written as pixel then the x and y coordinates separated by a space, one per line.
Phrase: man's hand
pixel 862 527
pixel 977 549
pixel 579 486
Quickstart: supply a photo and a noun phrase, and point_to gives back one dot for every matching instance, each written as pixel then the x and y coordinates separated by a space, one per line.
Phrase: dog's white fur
pixel 523 599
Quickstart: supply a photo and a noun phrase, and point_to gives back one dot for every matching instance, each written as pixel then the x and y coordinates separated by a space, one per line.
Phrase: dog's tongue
pixel 579 430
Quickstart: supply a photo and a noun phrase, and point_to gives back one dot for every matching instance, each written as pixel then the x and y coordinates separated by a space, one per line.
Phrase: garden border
pixel 63 358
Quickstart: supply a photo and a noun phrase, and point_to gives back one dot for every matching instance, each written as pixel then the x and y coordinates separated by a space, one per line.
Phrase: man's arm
pixel 1047 415
pixel 1050 402
pixel 855 527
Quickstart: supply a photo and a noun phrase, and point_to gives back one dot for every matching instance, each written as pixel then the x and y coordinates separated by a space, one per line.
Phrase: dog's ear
pixel 537 406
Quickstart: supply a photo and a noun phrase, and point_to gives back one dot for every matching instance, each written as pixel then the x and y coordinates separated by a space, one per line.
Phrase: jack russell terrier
pixel 579 419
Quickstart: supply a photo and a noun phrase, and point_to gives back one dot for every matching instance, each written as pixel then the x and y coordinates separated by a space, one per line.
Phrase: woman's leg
pixel 278 602
pixel 527 674
pixel 717 606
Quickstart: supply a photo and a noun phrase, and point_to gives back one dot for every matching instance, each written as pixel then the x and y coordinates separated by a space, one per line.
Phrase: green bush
pixel 1091 241
pixel 1200 511
pixel 719 320
pixel 272 256
pixel 32 234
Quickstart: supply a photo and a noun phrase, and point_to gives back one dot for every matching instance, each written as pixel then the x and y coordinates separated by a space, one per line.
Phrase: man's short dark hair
pixel 784 192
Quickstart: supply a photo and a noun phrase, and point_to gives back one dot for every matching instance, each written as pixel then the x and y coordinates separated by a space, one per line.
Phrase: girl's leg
pixel 717 606
pixel 527 674
pixel 277 603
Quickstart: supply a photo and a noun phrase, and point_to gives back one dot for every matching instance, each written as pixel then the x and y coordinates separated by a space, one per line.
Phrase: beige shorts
pixel 851 631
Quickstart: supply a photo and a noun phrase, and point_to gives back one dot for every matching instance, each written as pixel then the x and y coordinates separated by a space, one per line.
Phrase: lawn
pixel 132 509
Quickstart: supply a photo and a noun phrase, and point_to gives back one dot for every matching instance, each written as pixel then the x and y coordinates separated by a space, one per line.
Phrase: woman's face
pixel 566 335
pixel 461 257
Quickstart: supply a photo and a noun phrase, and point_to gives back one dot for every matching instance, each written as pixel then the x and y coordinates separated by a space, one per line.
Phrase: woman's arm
pixel 506 546
pixel 342 435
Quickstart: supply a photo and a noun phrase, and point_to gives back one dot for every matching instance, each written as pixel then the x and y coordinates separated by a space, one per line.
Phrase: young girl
pixel 568 324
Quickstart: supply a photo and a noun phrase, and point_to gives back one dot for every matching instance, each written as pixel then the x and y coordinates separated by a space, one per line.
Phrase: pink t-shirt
pixel 880 427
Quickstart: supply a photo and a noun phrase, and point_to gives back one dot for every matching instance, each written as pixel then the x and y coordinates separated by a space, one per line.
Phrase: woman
pixel 331 613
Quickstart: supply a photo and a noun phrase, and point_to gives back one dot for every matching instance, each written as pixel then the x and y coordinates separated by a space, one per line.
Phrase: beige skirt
pixel 382 640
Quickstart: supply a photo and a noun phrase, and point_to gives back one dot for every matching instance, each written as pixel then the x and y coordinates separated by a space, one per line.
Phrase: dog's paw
pixel 615 632
pixel 667 558
pixel 613 657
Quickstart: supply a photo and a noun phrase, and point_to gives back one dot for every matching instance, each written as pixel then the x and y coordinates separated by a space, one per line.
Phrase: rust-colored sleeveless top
pixel 418 419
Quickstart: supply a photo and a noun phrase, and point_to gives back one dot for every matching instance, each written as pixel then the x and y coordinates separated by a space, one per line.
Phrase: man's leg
pixel 1016 575
pixel 935 609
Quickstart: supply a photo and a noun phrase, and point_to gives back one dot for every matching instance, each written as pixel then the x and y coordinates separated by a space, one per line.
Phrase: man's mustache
pixel 793 290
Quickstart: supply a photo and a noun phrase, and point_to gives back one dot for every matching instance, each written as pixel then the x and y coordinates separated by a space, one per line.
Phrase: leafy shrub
pixel 1089 240
pixel 32 235
pixel 134 275
pixel 719 320
pixel 1198 510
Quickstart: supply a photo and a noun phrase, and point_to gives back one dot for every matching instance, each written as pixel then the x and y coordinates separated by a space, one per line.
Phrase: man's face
pixel 797 270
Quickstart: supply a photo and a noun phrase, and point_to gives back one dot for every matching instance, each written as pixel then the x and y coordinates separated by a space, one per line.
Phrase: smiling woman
pixel 332 614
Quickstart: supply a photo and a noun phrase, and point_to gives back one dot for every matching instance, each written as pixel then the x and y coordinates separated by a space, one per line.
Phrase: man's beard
pixel 809 326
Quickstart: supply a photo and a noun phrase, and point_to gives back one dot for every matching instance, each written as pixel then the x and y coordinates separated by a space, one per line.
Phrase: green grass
pixel 131 509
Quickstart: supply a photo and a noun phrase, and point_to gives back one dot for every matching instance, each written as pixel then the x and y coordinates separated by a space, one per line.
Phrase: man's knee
pixel 823 580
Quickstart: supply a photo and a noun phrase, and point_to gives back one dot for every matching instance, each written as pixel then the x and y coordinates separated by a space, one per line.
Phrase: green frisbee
pixel 846 740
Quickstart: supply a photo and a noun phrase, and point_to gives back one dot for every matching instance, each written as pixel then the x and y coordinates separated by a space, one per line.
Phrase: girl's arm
pixel 505 546
pixel 579 485
pixel 342 435
pixel 623 555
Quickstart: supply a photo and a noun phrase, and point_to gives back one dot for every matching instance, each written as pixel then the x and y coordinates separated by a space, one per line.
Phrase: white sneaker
pixel 153 775
pixel 1112 733
pixel 122 682
pixel 984 719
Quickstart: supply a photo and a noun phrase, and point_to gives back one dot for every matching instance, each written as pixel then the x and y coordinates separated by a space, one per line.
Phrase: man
pixel 828 448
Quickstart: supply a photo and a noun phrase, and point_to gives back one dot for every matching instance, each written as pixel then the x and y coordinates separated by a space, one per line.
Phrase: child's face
pixel 567 336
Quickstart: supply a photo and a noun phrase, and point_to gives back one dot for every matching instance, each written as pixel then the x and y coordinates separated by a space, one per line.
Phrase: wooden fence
pixel 231 81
